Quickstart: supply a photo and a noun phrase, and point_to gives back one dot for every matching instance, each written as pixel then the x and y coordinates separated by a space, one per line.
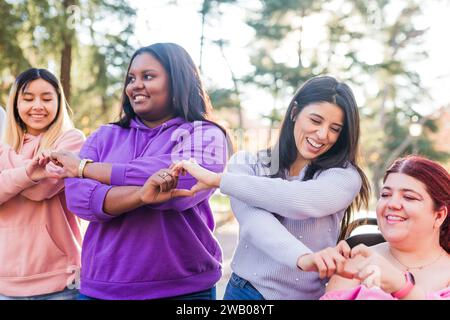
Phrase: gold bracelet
pixel 81 167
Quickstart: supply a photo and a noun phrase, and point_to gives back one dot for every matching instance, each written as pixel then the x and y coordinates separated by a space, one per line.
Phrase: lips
pixel 315 145
pixel 393 219
pixel 139 98
pixel 37 116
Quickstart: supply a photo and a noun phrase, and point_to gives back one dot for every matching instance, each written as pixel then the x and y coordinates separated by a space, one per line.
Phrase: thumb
pixel 181 193
pixel 361 250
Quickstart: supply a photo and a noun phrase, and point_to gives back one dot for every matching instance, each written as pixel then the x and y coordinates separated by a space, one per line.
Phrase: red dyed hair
pixel 437 182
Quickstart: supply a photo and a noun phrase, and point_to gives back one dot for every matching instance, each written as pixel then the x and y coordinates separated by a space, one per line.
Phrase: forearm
pixel 13 182
pixel 265 231
pixel 120 200
pixel 98 171
pixel 294 199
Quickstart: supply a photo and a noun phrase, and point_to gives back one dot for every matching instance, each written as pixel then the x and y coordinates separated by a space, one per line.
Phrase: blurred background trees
pixel 86 43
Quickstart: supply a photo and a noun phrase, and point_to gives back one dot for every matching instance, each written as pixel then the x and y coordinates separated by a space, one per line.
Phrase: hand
pixel 375 270
pixel 69 161
pixel 36 168
pixel 161 186
pixel 327 261
pixel 206 179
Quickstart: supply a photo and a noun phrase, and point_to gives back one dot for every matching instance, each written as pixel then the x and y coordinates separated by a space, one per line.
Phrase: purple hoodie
pixel 154 251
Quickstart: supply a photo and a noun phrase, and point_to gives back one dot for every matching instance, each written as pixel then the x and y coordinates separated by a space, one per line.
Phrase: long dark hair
pixel 188 96
pixel 343 152
pixel 437 182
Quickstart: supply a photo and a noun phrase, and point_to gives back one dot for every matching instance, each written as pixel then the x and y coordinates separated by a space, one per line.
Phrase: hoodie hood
pixel 139 127
pixel 137 123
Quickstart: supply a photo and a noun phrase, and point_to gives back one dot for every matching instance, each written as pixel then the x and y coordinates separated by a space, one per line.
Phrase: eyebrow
pixel 318 115
pixel 404 190
pixel 144 71
pixel 31 94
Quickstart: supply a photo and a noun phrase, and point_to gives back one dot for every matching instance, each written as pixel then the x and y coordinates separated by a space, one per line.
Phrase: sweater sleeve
pixel 71 141
pixel 13 175
pixel 262 228
pixel 333 190
pixel 208 146
pixel 85 197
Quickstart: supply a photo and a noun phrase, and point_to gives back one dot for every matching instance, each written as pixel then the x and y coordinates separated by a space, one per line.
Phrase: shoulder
pixel 347 174
pixel 71 135
pixel 74 133
pixel 105 131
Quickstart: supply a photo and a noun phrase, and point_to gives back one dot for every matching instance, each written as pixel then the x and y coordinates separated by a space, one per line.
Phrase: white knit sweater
pixel 280 220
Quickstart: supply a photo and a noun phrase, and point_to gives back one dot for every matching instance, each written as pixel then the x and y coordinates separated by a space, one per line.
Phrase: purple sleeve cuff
pixel 118 174
pixel 96 202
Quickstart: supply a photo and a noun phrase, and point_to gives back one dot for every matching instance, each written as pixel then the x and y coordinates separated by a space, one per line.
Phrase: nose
pixel 38 104
pixel 322 133
pixel 137 84
pixel 394 203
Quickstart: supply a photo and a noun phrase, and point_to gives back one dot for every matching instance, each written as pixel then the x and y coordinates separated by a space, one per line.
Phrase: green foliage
pixel 37 33
pixel 350 26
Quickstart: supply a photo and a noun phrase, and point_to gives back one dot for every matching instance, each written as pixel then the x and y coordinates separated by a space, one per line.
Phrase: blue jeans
pixel 66 294
pixel 240 289
pixel 209 294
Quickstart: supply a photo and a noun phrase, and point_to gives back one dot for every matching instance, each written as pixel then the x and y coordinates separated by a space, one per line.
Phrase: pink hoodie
pixel 40 239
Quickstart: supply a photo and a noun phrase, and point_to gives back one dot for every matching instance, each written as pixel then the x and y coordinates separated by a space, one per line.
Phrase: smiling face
pixel 37 105
pixel 405 209
pixel 317 128
pixel 148 90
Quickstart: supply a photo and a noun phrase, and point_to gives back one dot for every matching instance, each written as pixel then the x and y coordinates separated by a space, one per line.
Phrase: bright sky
pixel 159 22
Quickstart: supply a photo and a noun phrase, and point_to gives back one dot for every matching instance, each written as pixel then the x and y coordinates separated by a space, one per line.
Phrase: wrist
pixel 218 179
pixel 82 166
pixel 402 289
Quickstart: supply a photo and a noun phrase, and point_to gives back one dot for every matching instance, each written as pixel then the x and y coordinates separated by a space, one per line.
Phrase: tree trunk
pixel 66 53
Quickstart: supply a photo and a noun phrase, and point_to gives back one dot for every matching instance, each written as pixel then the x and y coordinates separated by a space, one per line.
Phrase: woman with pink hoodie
pixel 40 239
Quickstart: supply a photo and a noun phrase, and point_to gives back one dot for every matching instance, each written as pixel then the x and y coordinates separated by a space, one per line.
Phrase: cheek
pixel 381 205
pixel 23 109
pixel 128 91
pixel 334 138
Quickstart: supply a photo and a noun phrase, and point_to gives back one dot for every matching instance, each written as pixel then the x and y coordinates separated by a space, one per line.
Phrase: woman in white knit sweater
pixel 291 201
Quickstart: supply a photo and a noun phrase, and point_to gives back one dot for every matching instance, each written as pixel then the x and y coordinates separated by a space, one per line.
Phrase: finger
pixel 344 249
pixel 339 261
pixel 369 276
pixel 167 177
pixel 362 250
pixel 320 264
pixel 329 262
pixel 175 164
pixel 181 193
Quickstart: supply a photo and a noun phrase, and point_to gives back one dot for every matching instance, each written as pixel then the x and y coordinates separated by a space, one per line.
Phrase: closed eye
pixel 337 130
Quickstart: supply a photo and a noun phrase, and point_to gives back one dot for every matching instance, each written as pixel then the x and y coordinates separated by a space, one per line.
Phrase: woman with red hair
pixel 413 216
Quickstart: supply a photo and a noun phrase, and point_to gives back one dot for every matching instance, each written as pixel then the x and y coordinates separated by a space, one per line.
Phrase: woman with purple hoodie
pixel 142 245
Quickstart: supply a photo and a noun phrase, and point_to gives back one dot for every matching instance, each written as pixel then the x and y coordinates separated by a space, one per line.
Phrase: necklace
pixel 408 268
